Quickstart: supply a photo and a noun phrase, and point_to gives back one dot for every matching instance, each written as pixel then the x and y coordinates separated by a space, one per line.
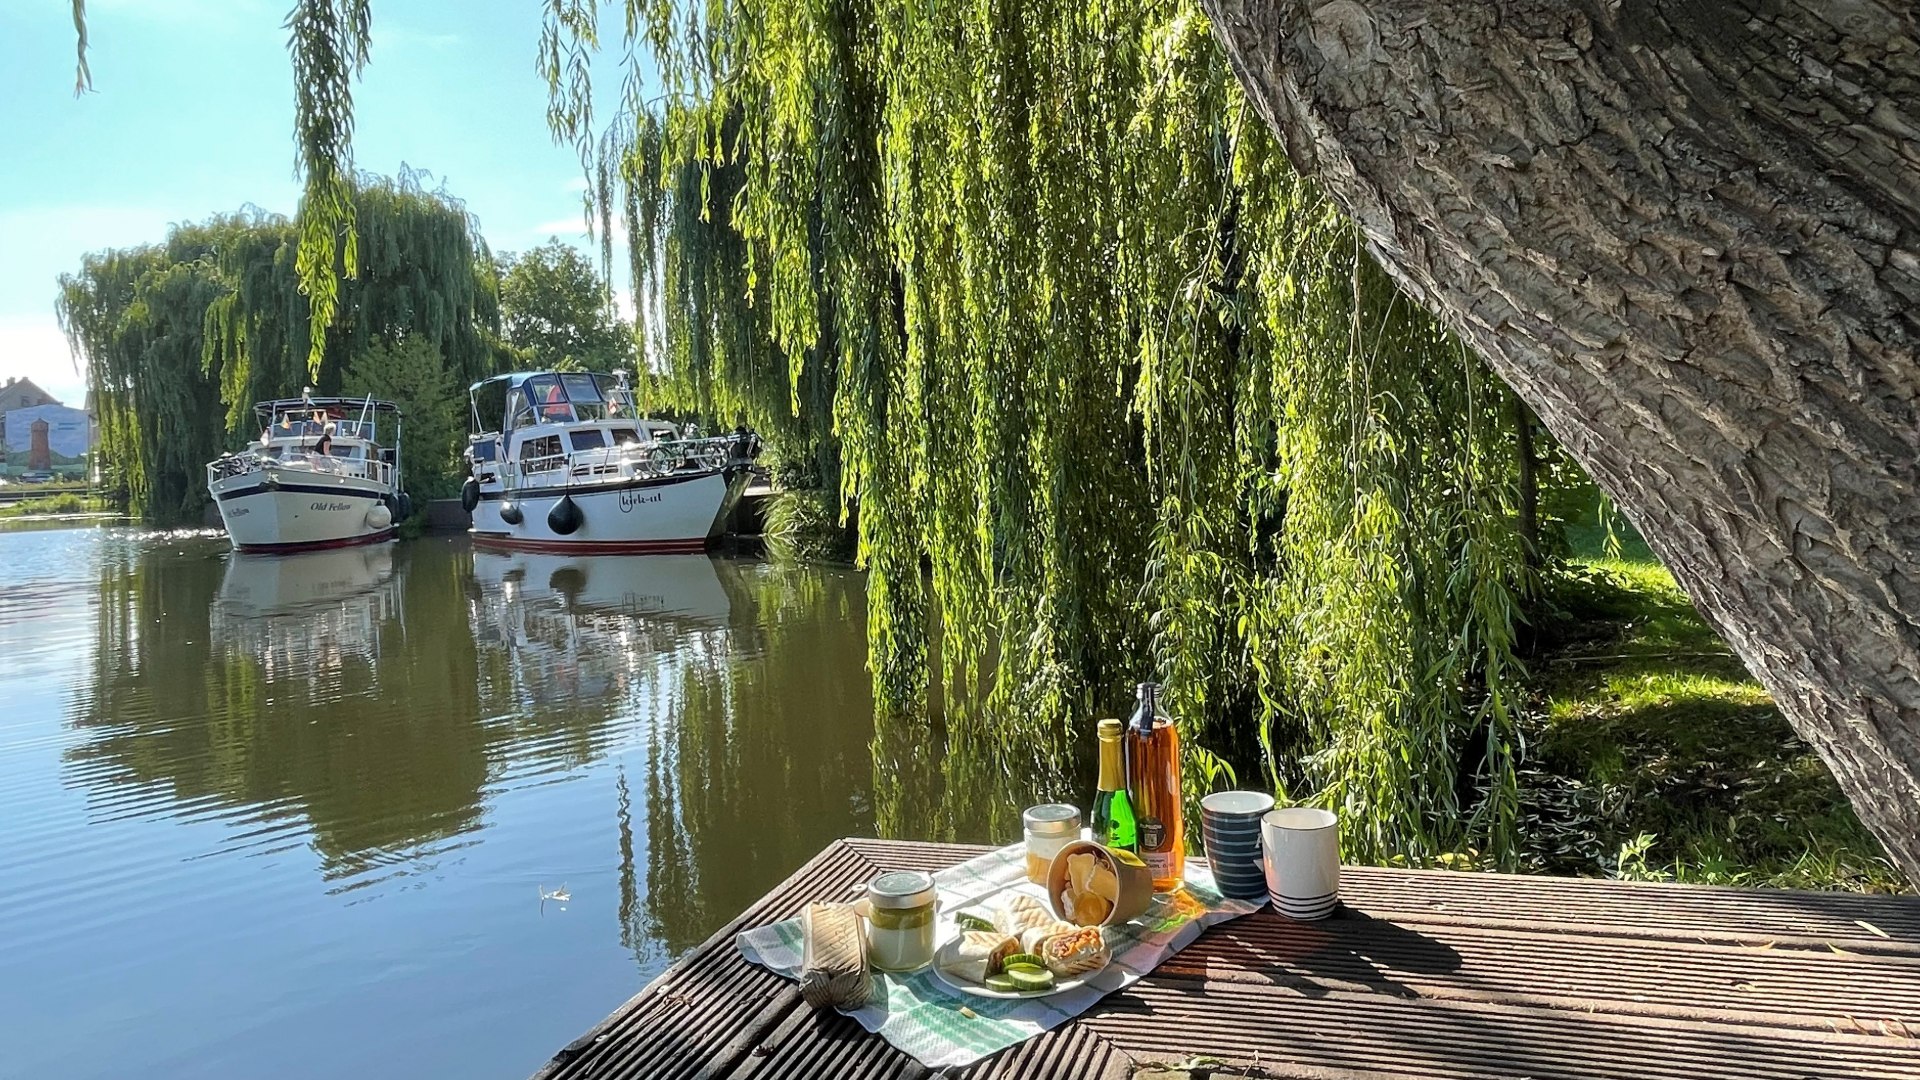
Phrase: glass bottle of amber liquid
pixel 1153 783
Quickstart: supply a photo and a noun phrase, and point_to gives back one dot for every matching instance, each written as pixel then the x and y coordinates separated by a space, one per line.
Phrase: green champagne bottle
pixel 1113 824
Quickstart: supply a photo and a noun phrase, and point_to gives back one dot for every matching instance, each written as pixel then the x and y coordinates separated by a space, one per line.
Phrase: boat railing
pixel 630 460
pixel 246 461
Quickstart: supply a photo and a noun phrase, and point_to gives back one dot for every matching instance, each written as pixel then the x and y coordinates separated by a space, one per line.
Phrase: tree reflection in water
pixel 381 703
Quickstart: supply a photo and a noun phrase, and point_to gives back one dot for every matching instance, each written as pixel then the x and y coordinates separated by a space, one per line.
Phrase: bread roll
pixel 833 965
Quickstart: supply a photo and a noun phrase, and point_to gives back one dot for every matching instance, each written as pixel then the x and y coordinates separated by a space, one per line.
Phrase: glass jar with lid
pixel 899 911
pixel 1049 827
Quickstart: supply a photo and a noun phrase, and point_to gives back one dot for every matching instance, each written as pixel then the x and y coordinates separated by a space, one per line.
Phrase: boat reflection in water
pixel 305 613
pixel 346 772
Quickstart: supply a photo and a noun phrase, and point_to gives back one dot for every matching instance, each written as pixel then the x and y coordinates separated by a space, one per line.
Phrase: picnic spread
pixel 941 1024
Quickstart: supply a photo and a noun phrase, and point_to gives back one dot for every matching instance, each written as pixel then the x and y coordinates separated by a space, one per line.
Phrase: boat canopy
pixel 525 398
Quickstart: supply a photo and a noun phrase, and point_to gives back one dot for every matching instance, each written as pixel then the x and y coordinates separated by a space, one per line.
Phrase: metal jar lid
pixel 1052 819
pixel 901 889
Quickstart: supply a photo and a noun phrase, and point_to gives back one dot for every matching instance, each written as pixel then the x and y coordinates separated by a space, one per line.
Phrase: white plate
pixel 1060 986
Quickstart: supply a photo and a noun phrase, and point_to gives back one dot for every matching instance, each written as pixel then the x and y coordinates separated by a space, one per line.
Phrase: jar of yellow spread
pixel 1049 827
pixel 900 911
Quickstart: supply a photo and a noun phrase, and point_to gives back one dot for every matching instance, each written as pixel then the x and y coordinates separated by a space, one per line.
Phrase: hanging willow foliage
pixel 1099 361
pixel 181 338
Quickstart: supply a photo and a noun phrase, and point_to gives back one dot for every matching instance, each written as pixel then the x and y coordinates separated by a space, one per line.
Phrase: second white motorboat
pixel 563 462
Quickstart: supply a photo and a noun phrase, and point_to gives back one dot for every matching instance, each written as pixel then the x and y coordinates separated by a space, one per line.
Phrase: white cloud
pixel 575 229
pixel 32 347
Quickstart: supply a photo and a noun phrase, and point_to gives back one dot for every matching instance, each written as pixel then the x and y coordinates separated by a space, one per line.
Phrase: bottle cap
pixel 1052 819
pixel 1108 729
pixel 901 889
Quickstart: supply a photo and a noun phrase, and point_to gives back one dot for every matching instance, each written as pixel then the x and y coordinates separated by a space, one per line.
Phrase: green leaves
pixel 1114 392
pixel 328 40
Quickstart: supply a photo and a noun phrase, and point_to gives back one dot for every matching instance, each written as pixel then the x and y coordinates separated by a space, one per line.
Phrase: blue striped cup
pixel 1230 827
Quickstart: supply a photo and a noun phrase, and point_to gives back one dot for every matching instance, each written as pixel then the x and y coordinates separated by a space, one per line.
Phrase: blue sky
pixel 193 114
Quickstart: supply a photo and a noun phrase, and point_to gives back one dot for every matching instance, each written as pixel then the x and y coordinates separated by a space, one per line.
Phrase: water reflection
pixel 373 702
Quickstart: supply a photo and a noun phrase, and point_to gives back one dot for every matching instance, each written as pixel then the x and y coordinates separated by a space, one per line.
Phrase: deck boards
pixel 1427 974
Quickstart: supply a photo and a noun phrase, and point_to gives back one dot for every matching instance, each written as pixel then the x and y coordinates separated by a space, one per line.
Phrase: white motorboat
pixel 318 477
pixel 563 462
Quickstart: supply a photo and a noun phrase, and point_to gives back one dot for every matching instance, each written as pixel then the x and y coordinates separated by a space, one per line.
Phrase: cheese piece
pixel 1080 870
pixel 1103 884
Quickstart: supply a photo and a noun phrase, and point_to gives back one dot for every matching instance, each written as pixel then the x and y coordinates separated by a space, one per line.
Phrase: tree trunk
pixel 1688 233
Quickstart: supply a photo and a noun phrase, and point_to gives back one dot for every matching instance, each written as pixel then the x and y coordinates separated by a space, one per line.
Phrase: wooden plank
pixel 1430 974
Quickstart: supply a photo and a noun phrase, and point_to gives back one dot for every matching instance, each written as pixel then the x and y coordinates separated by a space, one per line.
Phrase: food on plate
pixel 1019 913
pixel 974 918
pixel 978 954
pixel 1001 982
pixel 1029 978
pixel 1030 939
pixel 1026 958
pixel 1075 953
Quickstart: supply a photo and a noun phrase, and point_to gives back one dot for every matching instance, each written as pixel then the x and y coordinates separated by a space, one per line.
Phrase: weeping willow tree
pixel 182 337
pixel 1115 392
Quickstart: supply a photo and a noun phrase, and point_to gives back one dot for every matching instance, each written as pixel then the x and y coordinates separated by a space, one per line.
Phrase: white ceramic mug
pixel 1302 848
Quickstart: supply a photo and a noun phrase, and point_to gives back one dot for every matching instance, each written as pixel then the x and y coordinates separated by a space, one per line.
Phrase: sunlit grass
pixel 1657 756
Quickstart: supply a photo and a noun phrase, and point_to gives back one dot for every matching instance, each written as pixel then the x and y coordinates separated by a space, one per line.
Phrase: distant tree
pixel 412 374
pixel 555 313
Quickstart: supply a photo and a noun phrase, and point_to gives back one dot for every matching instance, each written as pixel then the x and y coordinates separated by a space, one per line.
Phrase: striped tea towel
pixel 921 1015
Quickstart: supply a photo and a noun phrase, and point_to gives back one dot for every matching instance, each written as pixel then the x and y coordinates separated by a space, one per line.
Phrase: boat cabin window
pixel 519 409
pixel 583 391
pixel 625 436
pixel 548 399
pixel 588 439
pixel 662 432
pixel 540 454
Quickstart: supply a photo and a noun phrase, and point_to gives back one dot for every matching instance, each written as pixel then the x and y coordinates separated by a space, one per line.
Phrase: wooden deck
pixel 1426 974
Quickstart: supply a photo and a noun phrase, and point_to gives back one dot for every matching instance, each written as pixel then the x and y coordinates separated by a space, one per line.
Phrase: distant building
pixel 69 432
pixel 22 394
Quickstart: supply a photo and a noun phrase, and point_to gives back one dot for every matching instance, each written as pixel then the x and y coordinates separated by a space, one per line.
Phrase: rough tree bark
pixel 1688 233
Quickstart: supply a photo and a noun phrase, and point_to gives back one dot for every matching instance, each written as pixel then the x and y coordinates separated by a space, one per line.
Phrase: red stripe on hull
pixel 315 545
pixel 590 547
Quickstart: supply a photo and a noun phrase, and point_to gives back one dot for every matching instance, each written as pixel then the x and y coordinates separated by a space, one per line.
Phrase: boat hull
pixel 283 512
pixel 652 516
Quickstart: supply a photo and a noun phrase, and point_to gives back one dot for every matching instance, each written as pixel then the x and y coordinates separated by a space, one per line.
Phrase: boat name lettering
pixel 332 506
pixel 630 498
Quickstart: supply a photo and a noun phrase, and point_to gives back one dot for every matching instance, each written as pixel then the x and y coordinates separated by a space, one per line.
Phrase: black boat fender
pixel 565 518
pixel 510 513
pixel 469 494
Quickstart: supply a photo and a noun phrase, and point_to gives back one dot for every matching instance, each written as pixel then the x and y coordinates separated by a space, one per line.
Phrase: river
pixel 409 809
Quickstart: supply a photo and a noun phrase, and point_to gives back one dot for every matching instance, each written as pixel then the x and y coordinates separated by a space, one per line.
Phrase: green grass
pixel 67 503
pixel 1655 755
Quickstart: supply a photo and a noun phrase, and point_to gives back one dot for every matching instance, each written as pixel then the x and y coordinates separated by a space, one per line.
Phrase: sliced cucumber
pixel 967 920
pixel 1002 983
pixel 1026 958
pixel 1028 979
pixel 1029 968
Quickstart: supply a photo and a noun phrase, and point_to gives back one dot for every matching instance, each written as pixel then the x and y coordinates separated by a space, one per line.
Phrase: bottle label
pixel 1159 863
pixel 1153 834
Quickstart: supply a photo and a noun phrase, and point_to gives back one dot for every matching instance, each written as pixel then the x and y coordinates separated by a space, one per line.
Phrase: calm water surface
pixel 294 816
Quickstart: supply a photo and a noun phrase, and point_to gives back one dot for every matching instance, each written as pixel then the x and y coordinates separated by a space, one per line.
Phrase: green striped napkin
pixel 921 1015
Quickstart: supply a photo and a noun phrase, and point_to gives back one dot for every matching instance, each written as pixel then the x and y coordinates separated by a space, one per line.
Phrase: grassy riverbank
pixel 64 503
pixel 1655 755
